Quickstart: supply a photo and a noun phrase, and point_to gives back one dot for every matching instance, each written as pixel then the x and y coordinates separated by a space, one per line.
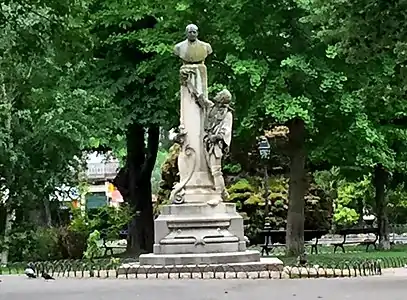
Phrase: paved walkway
pixel 388 286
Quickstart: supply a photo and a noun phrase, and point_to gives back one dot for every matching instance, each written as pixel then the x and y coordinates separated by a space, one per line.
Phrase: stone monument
pixel 199 227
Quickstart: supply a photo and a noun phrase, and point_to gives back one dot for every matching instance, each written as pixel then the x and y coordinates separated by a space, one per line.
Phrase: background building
pixel 100 170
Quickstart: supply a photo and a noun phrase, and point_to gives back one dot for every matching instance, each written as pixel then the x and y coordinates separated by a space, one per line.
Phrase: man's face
pixel 192 34
pixel 220 99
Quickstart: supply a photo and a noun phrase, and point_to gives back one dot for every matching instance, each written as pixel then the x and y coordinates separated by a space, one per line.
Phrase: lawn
pixel 395 257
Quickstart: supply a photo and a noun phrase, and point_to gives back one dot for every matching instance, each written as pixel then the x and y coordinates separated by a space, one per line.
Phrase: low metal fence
pixel 129 268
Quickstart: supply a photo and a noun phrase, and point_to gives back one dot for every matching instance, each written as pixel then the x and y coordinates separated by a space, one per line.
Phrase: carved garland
pixel 177 195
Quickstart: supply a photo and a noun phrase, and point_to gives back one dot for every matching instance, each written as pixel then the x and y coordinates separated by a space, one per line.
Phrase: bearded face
pixel 222 98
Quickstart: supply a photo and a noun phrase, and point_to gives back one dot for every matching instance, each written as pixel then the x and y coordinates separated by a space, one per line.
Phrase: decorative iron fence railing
pixel 129 268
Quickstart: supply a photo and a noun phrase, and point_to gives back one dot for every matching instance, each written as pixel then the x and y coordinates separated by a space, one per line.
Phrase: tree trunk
pixel 295 214
pixel 380 181
pixel 360 206
pixel 47 212
pixel 6 238
pixel 134 183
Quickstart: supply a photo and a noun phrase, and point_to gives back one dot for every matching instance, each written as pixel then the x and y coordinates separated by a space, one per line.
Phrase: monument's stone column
pixel 195 184
pixel 192 163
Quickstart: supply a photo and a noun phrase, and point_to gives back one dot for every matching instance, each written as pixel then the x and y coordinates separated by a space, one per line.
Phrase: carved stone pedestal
pixel 198 233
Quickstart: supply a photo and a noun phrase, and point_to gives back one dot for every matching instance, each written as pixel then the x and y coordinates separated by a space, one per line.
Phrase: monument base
pixel 200 258
pixel 268 264
pixel 199 234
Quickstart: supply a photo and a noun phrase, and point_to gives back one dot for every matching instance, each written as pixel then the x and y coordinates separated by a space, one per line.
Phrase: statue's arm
pixel 203 102
pixel 177 50
pixel 209 48
pixel 225 132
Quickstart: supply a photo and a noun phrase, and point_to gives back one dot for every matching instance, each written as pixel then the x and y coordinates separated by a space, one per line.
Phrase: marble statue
pixel 218 134
pixel 199 228
pixel 192 50
pixel 195 177
pixel 205 129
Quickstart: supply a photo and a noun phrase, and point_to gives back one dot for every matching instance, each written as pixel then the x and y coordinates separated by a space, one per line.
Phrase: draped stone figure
pixel 218 134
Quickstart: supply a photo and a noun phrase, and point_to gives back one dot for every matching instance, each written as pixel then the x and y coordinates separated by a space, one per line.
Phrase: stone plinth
pixel 197 233
pixel 265 264
pixel 204 259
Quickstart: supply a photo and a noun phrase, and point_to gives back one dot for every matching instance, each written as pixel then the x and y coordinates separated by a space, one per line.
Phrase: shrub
pixel 110 220
pixel 93 248
pixel 73 242
pixel 250 202
pixel 35 245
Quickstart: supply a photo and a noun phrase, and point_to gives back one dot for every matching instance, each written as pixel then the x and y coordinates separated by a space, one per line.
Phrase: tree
pixel 262 52
pixel 270 59
pixel 369 36
pixel 48 118
pixel 141 82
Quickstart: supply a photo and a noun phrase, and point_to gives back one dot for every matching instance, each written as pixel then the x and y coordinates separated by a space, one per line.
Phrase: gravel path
pixel 392 285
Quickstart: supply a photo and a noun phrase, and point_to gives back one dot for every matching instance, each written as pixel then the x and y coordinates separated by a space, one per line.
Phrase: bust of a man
pixel 192 50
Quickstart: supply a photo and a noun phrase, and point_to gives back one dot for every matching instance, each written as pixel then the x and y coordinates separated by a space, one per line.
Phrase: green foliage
pixel 110 220
pixel 169 175
pixel 364 36
pixel 232 168
pixel 243 194
pixel 345 216
pixel 83 233
pixel 74 75
pixel 49 115
pixel 349 197
pixel 249 203
pixel 241 186
pixel 156 176
pixel 93 246
pixel 328 181
pixel 248 195
pixel 35 245
pixel 397 204
pixel 350 192
pixel 79 222
pixel 73 242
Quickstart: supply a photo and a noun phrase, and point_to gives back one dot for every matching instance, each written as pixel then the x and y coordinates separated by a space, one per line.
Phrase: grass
pixel 395 257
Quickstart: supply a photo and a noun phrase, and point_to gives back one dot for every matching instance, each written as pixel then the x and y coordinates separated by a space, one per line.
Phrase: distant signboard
pixel 95 200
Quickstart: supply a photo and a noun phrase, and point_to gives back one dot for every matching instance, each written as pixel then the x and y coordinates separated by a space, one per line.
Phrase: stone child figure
pixel 218 134
pixel 192 50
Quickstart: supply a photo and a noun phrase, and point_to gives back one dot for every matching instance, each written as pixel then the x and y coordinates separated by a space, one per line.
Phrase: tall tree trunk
pixel 47 212
pixel 134 183
pixel 295 214
pixel 10 214
pixel 6 238
pixel 360 206
pixel 380 181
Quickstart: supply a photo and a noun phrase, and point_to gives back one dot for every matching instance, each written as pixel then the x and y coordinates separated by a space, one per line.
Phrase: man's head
pixel 192 32
pixel 223 97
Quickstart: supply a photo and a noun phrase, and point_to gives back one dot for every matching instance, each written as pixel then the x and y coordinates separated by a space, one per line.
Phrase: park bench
pixel 361 230
pixel 276 238
pixel 107 244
